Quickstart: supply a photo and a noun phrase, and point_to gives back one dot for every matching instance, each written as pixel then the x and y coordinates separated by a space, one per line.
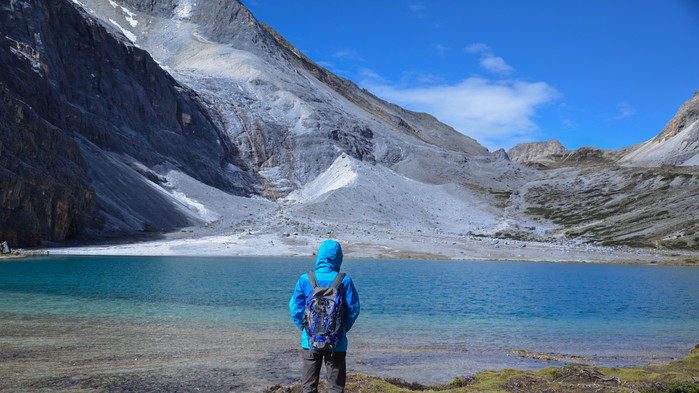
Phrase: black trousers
pixel 335 367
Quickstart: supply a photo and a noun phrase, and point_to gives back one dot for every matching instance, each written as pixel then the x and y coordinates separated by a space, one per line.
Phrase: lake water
pixel 188 322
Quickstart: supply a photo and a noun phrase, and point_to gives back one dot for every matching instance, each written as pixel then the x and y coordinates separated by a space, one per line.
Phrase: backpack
pixel 322 318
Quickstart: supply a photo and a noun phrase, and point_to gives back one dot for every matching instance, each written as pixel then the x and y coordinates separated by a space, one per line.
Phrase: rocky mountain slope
pixel 644 195
pixel 85 118
pixel 127 117
pixel 677 144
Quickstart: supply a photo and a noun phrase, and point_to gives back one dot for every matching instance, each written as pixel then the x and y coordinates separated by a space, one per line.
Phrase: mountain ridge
pixel 677 144
pixel 453 140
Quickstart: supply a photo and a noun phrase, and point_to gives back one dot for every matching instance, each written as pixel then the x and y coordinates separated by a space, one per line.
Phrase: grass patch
pixel 545 212
pixel 634 241
pixel 681 376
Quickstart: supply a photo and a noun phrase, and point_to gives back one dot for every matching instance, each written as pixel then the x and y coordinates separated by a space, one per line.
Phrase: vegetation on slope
pixel 636 207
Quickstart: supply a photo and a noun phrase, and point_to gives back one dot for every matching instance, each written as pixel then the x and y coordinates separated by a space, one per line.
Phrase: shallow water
pixel 215 323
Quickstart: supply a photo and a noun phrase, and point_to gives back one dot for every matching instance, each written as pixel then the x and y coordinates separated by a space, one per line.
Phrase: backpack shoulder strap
pixel 338 280
pixel 312 279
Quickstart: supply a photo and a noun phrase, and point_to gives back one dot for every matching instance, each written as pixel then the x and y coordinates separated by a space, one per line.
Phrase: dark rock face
pixel 588 155
pixel 65 78
pixel 44 188
pixel 357 143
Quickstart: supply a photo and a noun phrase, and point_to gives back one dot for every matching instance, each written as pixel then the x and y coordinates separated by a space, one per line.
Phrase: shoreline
pixel 21 253
pixel 381 246
pixel 79 354
pixel 678 375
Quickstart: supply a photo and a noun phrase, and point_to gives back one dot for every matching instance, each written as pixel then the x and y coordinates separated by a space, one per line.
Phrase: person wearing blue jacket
pixel 327 267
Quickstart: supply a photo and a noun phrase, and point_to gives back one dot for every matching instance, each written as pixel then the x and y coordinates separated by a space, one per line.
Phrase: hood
pixel 329 256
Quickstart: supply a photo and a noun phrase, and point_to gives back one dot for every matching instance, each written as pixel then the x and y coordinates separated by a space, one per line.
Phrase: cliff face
pixel 535 151
pixel 44 187
pixel 84 114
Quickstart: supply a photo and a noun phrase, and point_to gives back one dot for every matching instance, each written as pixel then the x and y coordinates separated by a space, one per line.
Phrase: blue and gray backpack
pixel 322 318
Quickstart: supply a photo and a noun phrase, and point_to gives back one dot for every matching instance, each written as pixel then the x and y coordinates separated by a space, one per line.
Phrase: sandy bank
pixel 383 245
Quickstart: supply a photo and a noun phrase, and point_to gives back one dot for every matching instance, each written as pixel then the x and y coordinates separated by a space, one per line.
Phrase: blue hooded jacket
pixel 327 266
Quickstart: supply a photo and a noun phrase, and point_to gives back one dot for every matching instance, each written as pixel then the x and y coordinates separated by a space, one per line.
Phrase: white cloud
pixel 441 49
pixel 568 123
pixel 348 54
pixel 488 60
pixel 418 9
pixel 495 113
pixel 624 110
pixel 477 48
pixel 495 64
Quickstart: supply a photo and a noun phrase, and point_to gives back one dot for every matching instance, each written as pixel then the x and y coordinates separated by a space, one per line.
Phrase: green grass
pixel 681 376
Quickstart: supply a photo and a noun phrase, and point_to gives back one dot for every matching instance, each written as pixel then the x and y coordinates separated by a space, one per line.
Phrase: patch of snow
pixel 36 65
pixel 183 10
pixel 342 173
pixel 131 17
pixel 131 36
pixel 204 213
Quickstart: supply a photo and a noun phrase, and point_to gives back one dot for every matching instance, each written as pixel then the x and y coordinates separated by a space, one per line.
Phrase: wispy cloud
pixel 494 112
pixel 624 109
pixel 568 123
pixel 418 9
pixel 477 48
pixel 348 54
pixel 489 61
pixel 441 49
pixel 495 64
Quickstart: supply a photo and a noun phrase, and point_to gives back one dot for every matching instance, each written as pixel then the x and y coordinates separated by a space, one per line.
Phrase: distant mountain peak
pixel 535 151
pixel 676 144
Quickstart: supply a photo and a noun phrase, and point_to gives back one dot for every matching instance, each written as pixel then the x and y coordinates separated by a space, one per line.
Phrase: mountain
pixel 535 151
pixel 643 195
pixel 677 143
pixel 277 104
pixel 192 119
pixel 85 117
pixel 203 90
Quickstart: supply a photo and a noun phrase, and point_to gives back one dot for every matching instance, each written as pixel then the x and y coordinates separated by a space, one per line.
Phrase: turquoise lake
pixel 420 320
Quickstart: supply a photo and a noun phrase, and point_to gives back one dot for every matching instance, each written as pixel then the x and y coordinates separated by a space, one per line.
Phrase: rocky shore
pixel 680 376
pixel 384 244
pixel 7 252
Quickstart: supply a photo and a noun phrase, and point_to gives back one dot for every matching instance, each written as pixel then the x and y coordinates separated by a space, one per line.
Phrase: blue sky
pixel 604 73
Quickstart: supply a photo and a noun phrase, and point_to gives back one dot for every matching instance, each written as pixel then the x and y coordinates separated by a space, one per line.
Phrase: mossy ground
pixel 681 376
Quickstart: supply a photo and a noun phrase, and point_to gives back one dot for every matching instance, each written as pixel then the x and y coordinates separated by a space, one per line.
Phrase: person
pixel 327 267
